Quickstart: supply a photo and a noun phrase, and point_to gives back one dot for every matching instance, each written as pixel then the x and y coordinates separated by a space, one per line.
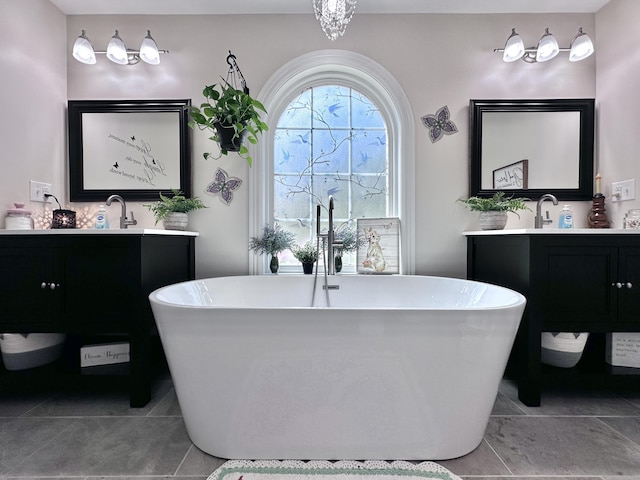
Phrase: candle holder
pixel 62 218
pixel 598 216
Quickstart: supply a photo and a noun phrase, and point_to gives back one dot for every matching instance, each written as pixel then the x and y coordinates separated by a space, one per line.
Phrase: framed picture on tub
pixel 379 253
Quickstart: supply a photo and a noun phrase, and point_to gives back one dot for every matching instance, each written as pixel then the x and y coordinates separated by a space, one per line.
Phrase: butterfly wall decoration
pixel 439 124
pixel 223 186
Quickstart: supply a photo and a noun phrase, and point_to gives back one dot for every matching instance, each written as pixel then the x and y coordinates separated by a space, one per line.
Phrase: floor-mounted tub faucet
pixel 124 221
pixel 330 236
pixel 539 221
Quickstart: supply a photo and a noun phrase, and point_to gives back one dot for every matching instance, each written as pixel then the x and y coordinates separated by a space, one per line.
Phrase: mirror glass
pixel 531 147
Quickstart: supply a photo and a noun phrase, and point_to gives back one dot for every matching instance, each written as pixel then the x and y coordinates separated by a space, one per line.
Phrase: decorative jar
pixel 18 218
pixel 632 219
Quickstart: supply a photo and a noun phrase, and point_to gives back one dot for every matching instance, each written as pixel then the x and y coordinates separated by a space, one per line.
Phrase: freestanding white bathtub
pixel 398 367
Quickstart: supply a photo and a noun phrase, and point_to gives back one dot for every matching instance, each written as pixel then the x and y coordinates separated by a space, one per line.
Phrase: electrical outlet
pixel 625 190
pixel 37 191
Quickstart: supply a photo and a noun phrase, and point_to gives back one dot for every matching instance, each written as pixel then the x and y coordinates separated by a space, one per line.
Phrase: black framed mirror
pixel 133 148
pixel 527 148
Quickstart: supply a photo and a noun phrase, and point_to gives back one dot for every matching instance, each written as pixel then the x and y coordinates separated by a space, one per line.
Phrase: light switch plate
pixel 625 190
pixel 37 191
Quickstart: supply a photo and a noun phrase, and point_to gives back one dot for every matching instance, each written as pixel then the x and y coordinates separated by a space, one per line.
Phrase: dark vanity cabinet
pixel 92 283
pixel 581 281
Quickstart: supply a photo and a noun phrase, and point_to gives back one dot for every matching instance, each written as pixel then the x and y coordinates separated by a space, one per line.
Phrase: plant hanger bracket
pixel 231 74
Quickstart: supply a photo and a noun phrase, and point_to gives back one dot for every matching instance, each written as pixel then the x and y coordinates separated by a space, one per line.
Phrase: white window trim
pixel 374 81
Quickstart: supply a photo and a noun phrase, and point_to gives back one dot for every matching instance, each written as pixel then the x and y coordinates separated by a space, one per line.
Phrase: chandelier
pixel 334 15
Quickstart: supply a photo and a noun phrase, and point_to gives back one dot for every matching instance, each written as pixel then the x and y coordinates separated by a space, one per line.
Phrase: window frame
pixel 348 69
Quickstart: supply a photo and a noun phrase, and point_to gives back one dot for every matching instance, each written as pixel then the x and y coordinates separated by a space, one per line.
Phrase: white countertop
pixel 554 231
pixel 93 231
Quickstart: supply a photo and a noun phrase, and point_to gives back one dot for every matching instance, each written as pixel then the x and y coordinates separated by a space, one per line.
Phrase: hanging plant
pixel 231 114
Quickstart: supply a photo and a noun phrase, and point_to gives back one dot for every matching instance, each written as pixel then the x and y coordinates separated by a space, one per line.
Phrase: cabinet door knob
pixel 616 284
pixel 43 285
pixel 629 285
pixel 53 286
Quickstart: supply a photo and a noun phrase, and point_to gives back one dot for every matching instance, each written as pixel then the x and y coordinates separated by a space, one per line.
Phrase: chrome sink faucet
pixel 539 221
pixel 124 221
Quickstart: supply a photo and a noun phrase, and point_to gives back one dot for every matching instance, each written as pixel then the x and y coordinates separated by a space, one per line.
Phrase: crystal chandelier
pixel 334 15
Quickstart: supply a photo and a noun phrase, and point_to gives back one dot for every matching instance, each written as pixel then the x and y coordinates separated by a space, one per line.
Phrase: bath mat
pixel 326 470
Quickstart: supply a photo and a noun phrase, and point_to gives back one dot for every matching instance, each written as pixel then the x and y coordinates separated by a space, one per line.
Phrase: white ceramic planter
pixel 176 221
pixel 493 220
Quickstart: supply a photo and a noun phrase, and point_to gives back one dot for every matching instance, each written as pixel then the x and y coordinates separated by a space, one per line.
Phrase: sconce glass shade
pixel 117 50
pixel 581 47
pixel 149 50
pixel 514 48
pixel 83 50
pixel 547 47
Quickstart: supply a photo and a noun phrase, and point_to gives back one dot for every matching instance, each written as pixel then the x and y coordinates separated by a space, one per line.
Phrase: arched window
pixel 339 125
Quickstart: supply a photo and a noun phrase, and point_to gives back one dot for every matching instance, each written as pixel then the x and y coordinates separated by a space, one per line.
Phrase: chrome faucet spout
pixel 124 221
pixel 539 221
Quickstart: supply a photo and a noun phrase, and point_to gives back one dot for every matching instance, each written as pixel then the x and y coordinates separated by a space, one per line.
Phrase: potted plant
pixel 273 241
pixel 232 115
pixel 351 241
pixel 173 210
pixel 307 254
pixel 493 210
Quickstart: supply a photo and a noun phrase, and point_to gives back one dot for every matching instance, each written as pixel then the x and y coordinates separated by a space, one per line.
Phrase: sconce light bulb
pixel 117 50
pixel 83 50
pixel 547 47
pixel 149 50
pixel 581 47
pixel 513 48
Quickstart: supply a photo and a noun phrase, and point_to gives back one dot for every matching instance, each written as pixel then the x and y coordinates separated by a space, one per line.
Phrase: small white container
pixel 18 218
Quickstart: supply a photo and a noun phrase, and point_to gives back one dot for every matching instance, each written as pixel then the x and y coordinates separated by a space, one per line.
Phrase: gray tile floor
pixel 579 432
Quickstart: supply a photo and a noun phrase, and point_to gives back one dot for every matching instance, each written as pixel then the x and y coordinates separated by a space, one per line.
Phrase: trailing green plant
pixel 177 203
pixel 496 203
pixel 306 253
pixel 229 107
pixel 350 237
pixel 273 241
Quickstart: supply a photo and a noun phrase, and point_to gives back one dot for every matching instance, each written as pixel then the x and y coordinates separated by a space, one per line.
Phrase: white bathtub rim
pixel 517 299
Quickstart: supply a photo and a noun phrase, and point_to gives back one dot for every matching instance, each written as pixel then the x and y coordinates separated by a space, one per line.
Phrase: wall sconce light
pixel 117 51
pixel 580 48
pixel 62 218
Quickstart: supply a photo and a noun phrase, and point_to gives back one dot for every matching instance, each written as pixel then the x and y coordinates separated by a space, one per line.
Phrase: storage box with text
pixel 623 349
pixel 104 354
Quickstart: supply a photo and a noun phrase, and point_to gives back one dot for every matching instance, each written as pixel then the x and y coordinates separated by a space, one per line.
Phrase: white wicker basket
pixel 562 349
pixel 22 351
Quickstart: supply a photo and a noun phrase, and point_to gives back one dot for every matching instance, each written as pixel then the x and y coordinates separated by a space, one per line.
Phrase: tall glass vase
pixel 338 263
pixel 274 264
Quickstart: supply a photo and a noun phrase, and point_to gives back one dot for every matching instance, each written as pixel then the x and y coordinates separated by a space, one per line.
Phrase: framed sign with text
pixel 133 148
pixel 512 177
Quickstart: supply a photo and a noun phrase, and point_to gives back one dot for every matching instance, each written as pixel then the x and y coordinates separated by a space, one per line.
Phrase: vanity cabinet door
pixel 629 288
pixel 576 287
pixel 26 294
pixel 101 278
